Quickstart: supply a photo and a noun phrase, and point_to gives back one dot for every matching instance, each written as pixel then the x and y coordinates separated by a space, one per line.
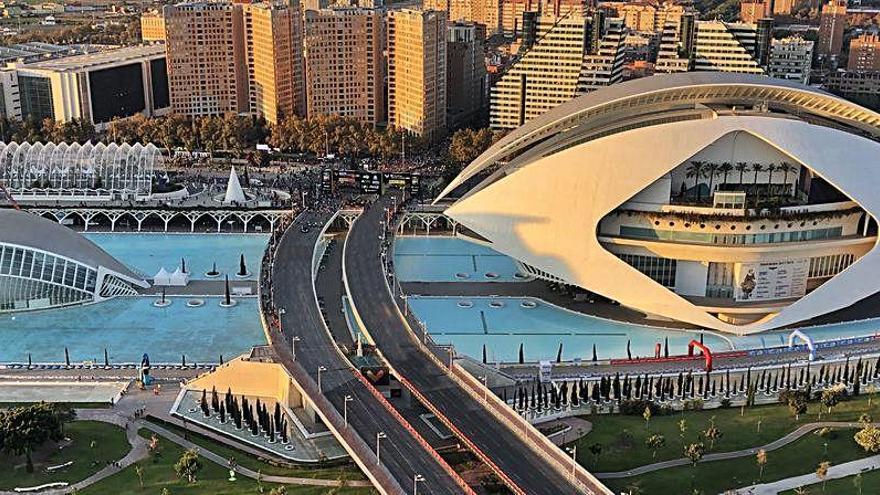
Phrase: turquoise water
pixel 147 253
pixel 440 259
pixel 129 327
pixel 541 329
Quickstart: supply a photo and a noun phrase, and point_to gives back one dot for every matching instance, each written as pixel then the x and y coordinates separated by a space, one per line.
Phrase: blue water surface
pixel 147 253
pixel 128 327
pixel 441 259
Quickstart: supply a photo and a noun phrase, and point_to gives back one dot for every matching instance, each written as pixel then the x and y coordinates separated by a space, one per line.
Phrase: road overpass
pixel 403 454
pixel 523 458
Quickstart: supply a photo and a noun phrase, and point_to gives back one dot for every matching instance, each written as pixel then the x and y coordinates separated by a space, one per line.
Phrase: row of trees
pixel 256 418
pixel 698 170
pixel 76 130
pixel 633 394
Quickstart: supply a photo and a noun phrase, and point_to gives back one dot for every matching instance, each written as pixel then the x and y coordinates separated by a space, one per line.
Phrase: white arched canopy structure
pixel 75 171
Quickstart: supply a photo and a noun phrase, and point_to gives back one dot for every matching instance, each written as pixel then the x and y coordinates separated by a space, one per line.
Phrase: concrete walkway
pixel 140 452
pixel 720 456
pixel 834 472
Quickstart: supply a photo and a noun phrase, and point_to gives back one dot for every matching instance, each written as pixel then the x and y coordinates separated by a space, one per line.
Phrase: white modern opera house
pixel 43 264
pixel 725 201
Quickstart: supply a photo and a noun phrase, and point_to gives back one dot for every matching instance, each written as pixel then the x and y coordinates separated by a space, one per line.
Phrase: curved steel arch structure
pixel 76 172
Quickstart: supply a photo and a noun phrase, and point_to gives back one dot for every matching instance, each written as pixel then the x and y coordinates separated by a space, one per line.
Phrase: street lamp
pixel 424 332
pixel 416 479
pixel 320 369
pixel 345 402
pixel 573 450
pixel 281 313
pixel 293 340
pixel 379 436
pixel 485 379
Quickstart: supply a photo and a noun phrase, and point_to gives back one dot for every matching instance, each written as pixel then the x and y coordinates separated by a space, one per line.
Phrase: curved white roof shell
pixel 544 206
pixel 621 101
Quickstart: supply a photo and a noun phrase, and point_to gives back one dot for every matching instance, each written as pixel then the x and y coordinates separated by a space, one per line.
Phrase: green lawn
pixel 845 486
pixel 158 473
pixel 109 443
pixel 623 437
pixel 349 472
pixel 800 457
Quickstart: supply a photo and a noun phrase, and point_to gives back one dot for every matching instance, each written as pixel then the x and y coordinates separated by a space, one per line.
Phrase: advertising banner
pixel 772 280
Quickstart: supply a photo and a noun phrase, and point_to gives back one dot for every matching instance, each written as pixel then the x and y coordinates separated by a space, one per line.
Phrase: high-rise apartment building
pixel 750 11
pixel 207 74
pixel 864 53
pixel 831 25
pixel 485 12
pixel 791 58
pixel 603 63
pixel 571 54
pixel 714 46
pixel 273 45
pixel 152 27
pixel 417 71
pixel 648 17
pixel 783 7
pixel 512 11
pixel 344 62
pixel 466 96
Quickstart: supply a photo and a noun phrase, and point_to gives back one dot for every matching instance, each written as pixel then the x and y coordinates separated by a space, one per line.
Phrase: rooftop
pixel 97 60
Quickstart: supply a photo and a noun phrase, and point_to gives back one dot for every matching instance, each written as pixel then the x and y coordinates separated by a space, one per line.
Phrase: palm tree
pixel 770 169
pixel 742 168
pixel 757 168
pixel 724 169
pixel 711 172
pixel 695 171
pixel 785 168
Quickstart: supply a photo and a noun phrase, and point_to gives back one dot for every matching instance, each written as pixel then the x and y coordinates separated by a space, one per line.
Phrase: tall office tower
pixel 790 59
pixel 417 71
pixel 152 26
pixel 345 69
pixel 831 25
pixel 864 53
pixel 465 74
pixel 273 44
pixel 603 64
pixel 712 46
pixel 752 10
pixel 207 74
pixel 512 11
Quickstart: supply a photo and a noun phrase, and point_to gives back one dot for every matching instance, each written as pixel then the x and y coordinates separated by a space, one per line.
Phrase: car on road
pixel 304 229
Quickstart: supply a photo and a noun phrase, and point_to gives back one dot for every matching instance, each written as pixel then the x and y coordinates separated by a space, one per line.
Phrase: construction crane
pixel 9 196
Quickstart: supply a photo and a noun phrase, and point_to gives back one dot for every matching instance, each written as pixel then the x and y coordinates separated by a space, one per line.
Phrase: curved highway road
pixel 404 455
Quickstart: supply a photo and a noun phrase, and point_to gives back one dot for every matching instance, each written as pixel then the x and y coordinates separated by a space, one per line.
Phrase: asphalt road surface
pixel 369 293
pixel 400 453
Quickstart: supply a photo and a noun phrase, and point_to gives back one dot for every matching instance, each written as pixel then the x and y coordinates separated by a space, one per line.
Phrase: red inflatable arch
pixel 706 352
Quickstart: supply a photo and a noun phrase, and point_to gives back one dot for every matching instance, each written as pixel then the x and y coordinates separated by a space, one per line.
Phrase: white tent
pixel 178 278
pixel 162 277
pixel 234 192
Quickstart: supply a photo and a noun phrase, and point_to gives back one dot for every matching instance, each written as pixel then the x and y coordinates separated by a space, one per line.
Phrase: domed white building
pixel 730 202
pixel 45 265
